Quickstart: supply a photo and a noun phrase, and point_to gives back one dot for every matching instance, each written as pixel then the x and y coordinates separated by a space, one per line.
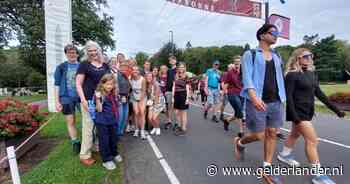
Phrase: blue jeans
pixel 123 116
pixel 108 140
pixel 237 104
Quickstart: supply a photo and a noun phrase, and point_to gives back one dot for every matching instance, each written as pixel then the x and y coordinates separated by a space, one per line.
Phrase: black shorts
pixel 69 109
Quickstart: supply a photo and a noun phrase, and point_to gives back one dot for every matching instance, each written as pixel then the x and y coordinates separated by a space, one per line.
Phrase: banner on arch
pixel 232 7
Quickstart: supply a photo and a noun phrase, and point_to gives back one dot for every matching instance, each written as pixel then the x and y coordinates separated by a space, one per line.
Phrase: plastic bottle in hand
pixel 92 109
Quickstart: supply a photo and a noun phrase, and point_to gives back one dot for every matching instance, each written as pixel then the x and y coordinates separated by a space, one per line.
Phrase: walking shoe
pixel 226 123
pixel 240 134
pixel 158 131
pixel 272 179
pixel 109 165
pixel 76 147
pixel 153 131
pixel 180 132
pixel 288 159
pixel 205 114
pixel 143 135
pixel 215 119
pixel 323 179
pixel 118 159
pixel 136 133
pixel 175 126
pixel 239 150
pixel 281 136
pixel 168 125
pixel 87 162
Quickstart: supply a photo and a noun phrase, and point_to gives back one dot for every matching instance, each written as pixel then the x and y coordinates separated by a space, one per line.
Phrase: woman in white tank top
pixel 138 99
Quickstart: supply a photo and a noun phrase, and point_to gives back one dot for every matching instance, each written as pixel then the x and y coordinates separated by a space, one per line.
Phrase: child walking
pixel 106 120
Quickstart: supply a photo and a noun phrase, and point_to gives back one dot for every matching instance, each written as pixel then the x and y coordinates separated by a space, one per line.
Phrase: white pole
pixel 13 165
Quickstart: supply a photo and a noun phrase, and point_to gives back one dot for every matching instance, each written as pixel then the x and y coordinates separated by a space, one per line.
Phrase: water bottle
pixel 92 109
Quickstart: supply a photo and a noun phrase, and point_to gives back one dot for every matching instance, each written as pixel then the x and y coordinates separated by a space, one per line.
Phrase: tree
pixel 285 52
pixel 141 57
pixel 161 57
pixel 328 59
pixel 26 20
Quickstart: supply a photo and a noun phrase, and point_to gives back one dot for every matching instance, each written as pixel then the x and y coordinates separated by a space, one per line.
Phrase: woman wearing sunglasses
pixel 301 87
pixel 181 95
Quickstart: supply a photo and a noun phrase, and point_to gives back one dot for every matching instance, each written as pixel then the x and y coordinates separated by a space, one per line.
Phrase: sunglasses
pixel 274 33
pixel 307 56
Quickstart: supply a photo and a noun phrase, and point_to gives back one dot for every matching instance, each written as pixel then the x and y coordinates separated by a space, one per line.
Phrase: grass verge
pixel 63 167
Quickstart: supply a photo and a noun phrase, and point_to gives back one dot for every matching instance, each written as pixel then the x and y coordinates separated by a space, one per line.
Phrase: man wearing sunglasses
pixel 263 87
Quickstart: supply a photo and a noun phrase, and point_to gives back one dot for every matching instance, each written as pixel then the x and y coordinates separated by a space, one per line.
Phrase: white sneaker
pixel 118 159
pixel 153 131
pixel 288 159
pixel 128 129
pixel 158 131
pixel 143 136
pixel 132 128
pixel 109 165
pixel 136 133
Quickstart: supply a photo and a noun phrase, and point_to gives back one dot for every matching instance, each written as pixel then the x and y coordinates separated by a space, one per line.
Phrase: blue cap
pixel 216 62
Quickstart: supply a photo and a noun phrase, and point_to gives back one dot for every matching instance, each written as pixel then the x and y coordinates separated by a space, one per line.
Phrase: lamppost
pixel 172 41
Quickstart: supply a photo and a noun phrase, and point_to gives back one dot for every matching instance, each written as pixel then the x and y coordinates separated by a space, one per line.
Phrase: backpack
pixel 253 52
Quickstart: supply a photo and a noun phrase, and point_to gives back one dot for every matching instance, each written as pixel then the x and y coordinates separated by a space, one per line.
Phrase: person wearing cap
pixel 264 91
pixel 212 88
pixel 67 99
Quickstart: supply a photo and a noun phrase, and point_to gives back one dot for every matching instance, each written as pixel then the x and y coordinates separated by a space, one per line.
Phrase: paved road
pixel 207 143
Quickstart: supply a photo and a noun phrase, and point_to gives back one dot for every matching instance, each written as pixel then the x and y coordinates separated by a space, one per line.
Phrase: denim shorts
pixel 69 109
pixel 213 96
pixel 258 121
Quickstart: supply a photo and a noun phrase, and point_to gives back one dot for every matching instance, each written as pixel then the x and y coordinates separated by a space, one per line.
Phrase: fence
pixel 23 91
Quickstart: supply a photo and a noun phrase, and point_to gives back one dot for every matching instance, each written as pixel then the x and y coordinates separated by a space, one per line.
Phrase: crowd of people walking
pixel 117 96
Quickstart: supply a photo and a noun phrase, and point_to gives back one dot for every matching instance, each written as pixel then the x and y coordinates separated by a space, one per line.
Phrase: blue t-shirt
pixel 213 78
pixel 71 73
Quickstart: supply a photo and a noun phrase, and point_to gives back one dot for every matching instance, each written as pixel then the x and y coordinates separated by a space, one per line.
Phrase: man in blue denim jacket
pixel 67 99
pixel 263 87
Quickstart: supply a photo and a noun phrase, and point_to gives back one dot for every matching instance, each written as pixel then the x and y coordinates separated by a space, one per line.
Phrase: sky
pixel 144 25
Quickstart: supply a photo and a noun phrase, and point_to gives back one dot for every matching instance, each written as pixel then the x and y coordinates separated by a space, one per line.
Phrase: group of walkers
pixel 118 96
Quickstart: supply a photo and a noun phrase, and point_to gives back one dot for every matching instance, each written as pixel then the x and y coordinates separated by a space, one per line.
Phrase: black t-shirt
pixel 92 77
pixel 171 78
pixel 270 91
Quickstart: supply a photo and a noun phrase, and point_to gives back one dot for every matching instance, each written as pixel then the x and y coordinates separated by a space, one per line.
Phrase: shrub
pixel 18 118
pixel 340 98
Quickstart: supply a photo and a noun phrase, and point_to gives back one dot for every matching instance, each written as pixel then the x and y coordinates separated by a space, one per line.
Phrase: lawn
pixel 330 89
pixel 28 99
pixel 63 167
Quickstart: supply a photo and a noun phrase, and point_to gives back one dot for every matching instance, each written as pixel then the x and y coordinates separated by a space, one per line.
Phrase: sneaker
pixel 323 179
pixel 239 150
pixel 288 159
pixel 205 114
pixel 175 127
pixel 168 125
pixel 76 147
pixel 128 129
pixel 180 132
pixel 226 123
pixel 215 119
pixel 272 179
pixel 281 136
pixel 143 135
pixel 118 159
pixel 158 131
pixel 109 165
pixel 153 131
pixel 136 133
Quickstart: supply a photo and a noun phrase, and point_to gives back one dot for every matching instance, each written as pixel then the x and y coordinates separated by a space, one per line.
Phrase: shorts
pixel 213 96
pixel 180 100
pixel 69 109
pixel 169 99
pixel 258 121
pixel 237 104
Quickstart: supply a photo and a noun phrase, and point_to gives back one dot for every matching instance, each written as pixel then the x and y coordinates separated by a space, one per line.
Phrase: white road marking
pixel 287 130
pixel 168 171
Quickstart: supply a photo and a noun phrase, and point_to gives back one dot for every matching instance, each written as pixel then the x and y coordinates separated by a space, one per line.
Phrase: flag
pixel 282 23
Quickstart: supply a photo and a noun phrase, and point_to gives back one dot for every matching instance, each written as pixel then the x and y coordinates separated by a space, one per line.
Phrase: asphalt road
pixel 206 143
